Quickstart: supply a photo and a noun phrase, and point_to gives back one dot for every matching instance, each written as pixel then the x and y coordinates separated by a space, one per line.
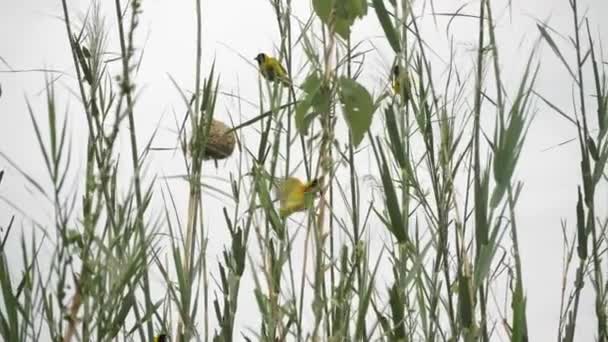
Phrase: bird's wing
pixel 287 187
pixel 291 196
pixel 282 71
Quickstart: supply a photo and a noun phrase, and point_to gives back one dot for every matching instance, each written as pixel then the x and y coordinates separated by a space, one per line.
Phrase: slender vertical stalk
pixel 480 219
pixel 195 176
pixel 354 188
pixel 325 164
pixel 126 90
pixel 184 329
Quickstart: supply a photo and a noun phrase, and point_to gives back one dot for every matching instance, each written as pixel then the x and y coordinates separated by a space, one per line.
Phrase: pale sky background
pixel 32 37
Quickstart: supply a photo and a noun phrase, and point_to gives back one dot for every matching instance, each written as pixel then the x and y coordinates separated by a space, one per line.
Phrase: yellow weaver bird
pixel 293 193
pixel 396 83
pixel 161 338
pixel 272 69
pixel 400 83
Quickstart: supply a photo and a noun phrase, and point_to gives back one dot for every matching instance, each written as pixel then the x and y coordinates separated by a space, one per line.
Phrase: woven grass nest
pixel 220 141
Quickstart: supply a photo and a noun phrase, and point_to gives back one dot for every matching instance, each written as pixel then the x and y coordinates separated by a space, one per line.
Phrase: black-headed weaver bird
pixel 400 82
pixel 272 69
pixel 395 79
pixel 293 193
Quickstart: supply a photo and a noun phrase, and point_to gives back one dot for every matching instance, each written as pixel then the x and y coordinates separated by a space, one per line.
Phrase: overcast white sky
pixel 32 36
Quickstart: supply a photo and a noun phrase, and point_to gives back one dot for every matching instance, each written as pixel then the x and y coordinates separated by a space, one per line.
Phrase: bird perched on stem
pixel 400 83
pixel 395 79
pixel 293 195
pixel 272 69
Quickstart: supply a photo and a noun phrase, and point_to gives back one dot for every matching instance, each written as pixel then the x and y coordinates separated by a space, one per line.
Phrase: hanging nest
pixel 220 141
